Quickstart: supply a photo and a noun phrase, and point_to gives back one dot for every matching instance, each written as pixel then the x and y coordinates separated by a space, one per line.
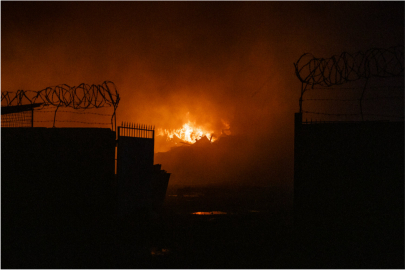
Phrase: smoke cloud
pixel 206 62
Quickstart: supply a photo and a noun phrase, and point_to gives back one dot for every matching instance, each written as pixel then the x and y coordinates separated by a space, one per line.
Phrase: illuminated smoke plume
pixel 215 60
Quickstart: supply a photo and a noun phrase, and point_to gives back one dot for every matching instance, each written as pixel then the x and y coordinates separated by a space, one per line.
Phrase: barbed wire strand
pixel 93 123
pixel 352 114
pixel 344 68
pixel 356 88
pixel 336 99
pixel 49 111
pixel 83 96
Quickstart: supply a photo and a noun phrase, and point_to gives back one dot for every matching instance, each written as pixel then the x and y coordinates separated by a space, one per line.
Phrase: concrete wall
pixel 56 187
pixel 135 163
pixel 349 192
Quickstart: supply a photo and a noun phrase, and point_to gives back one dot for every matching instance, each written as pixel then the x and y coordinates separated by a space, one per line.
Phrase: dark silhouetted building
pixel 349 193
pixel 60 195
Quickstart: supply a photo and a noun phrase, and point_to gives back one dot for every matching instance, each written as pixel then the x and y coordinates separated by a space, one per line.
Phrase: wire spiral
pixel 83 96
pixel 327 73
pixel 346 67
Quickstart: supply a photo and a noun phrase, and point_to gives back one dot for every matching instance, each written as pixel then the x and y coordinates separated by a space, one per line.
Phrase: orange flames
pixel 189 133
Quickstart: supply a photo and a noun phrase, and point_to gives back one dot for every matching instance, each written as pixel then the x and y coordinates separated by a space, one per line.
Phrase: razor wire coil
pixel 331 73
pixel 81 97
pixel 347 67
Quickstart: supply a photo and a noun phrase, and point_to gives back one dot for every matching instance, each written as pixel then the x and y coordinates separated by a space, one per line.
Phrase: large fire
pixel 189 133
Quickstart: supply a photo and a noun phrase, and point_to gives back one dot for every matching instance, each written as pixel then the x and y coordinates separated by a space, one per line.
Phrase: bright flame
pixel 189 133
pixel 210 213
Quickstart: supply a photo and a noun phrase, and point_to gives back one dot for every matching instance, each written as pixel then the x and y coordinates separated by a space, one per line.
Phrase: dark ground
pixel 255 232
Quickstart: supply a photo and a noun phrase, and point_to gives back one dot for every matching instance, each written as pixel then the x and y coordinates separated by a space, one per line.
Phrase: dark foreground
pixel 253 230
pixel 220 228
pixel 243 227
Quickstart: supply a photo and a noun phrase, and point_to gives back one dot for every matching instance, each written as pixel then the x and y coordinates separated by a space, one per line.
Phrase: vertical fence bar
pixel 136 130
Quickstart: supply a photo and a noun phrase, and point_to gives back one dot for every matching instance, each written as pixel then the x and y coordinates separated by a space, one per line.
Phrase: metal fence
pixel 136 130
pixel 18 119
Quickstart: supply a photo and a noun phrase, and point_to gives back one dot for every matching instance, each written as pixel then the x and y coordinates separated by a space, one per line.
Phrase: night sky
pixel 207 62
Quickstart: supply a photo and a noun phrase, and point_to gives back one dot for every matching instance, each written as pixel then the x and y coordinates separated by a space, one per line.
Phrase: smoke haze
pixel 206 62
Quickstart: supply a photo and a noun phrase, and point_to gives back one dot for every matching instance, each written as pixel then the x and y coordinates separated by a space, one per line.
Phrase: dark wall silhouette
pixel 135 163
pixel 349 193
pixel 56 190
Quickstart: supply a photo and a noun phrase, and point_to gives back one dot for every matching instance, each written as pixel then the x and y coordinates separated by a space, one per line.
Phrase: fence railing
pixel 136 130
pixel 18 116
pixel 18 119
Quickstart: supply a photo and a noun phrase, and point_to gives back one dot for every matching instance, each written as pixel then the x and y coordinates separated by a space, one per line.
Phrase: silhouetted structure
pixel 349 175
pixel 140 183
pixel 349 193
pixel 56 185
pixel 58 195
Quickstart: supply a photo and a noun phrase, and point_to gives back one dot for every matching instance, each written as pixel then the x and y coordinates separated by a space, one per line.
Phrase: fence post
pixel 32 117
pixel 297 162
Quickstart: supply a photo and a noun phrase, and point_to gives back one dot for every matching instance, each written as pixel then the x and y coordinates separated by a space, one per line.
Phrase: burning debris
pixel 190 133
